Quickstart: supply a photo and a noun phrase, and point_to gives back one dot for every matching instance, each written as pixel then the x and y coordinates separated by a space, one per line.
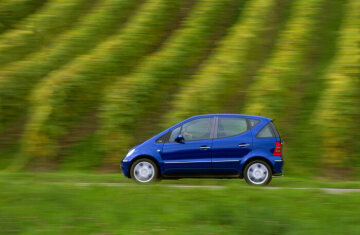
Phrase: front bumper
pixel 124 165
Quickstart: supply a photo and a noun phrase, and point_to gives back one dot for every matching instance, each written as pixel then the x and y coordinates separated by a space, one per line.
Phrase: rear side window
pixel 266 132
pixel 228 126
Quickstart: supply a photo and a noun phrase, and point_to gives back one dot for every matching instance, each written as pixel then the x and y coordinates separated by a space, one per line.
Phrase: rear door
pixel 233 141
pixel 193 155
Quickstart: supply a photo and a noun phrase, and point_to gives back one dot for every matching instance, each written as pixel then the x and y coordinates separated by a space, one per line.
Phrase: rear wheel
pixel 144 171
pixel 257 173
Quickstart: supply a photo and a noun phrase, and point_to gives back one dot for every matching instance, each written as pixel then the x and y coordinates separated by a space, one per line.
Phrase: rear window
pixel 266 132
pixel 274 129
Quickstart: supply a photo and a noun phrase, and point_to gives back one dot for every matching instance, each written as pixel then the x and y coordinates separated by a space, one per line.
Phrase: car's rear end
pixel 268 143
pixel 279 162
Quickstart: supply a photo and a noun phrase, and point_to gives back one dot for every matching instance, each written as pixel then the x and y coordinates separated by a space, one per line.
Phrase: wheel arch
pixel 146 157
pixel 254 159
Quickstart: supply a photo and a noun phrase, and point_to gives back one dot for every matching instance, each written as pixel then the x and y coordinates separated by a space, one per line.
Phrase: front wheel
pixel 144 171
pixel 258 173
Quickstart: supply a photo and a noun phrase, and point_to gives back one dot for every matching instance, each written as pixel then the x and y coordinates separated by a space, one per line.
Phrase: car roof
pixel 233 115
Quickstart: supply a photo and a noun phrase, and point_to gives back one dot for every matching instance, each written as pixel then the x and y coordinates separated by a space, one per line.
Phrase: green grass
pixel 32 203
pixel 73 177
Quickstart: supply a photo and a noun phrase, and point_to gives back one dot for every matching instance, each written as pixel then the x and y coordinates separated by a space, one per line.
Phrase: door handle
pixel 205 147
pixel 243 145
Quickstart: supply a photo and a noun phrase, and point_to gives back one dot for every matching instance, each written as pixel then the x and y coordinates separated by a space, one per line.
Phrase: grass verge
pixel 28 205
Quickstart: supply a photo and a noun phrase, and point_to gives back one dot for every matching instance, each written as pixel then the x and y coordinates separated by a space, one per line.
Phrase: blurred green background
pixel 82 81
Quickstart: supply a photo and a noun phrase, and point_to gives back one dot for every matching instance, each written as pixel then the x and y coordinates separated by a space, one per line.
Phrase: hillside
pixel 82 81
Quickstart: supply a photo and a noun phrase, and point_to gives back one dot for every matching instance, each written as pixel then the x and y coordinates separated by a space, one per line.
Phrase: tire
pixel 144 171
pixel 257 173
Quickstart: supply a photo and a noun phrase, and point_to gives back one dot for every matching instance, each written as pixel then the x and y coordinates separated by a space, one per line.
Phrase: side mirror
pixel 179 138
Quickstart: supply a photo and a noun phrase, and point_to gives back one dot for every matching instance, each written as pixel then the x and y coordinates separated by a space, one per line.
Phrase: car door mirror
pixel 179 138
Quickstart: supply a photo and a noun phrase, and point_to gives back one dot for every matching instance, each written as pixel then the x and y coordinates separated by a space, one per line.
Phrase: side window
pixel 228 126
pixel 163 139
pixel 275 130
pixel 174 134
pixel 253 122
pixel 198 129
pixel 266 132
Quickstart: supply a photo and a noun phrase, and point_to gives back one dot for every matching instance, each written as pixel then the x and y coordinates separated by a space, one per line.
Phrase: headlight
pixel 130 152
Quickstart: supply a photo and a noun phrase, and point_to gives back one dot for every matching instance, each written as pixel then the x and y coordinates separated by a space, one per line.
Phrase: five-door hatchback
pixel 214 145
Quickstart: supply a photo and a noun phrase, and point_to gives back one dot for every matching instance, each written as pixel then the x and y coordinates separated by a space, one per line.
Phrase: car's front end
pixel 125 163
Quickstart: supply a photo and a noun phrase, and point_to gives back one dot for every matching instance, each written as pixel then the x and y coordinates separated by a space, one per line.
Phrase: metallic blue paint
pixel 187 158
pixel 224 158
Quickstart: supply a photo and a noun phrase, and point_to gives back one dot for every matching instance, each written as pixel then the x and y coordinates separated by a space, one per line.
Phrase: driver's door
pixel 192 156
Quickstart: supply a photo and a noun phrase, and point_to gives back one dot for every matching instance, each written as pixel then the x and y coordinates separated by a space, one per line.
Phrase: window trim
pixel 267 124
pixel 216 127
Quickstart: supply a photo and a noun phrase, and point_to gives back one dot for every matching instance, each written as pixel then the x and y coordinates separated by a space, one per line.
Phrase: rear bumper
pixel 278 167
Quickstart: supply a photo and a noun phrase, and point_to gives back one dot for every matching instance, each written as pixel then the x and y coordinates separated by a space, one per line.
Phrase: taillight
pixel 277 151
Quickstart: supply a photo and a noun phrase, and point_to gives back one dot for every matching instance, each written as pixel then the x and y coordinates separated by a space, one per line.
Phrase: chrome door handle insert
pixel 243 145
pixel 205 147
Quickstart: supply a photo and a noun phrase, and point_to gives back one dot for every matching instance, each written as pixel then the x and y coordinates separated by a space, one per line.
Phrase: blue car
pixel 213 145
